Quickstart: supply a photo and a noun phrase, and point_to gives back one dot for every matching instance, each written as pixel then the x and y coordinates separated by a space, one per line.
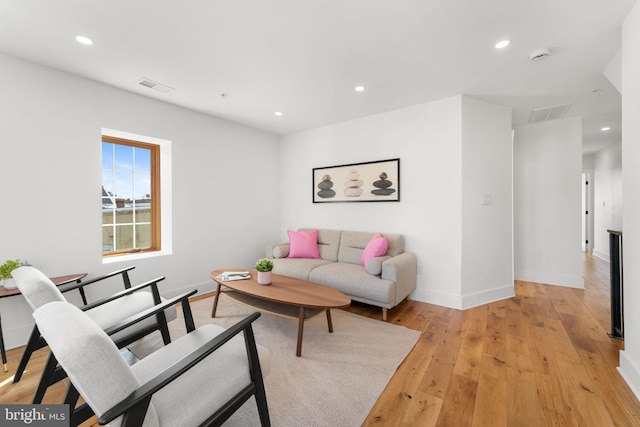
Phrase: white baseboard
pixel 602 255
pixel 202 287
pixel 550 279
pixel 437 298
pixel 465 301
pixel 630 371
pixel 485 297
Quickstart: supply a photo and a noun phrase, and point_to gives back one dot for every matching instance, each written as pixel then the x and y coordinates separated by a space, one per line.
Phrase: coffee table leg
pixel 329 323
pixel 215 301
pixel 300 330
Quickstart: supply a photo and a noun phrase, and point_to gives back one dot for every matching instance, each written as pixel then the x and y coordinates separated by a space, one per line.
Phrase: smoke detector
pixel 539 54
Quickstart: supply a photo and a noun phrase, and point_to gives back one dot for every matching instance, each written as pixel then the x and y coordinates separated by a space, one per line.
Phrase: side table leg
pixel 329 323
pixel 300 330
pixel 2 350
pixel 215 301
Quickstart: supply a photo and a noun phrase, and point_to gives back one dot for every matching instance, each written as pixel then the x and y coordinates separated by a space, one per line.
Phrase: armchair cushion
pixel 90 358
pixel 207 385
pixel 37 288
pixel 108 314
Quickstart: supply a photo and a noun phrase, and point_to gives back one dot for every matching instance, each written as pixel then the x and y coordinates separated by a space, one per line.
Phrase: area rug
pixel 337 380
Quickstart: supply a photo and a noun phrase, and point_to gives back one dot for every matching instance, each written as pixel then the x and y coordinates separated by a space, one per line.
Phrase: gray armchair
pixel 38 290
pixel 200 379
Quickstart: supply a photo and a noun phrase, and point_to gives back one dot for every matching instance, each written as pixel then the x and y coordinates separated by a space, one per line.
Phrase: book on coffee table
pixel 228 276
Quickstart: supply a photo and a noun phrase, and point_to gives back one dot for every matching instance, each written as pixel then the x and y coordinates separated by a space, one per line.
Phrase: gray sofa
pixel 384 282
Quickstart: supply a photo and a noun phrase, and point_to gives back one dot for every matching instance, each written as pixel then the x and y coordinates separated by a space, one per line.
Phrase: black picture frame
pixel 377 181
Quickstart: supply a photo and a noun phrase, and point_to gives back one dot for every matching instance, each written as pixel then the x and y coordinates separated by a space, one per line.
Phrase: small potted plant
pixel 6 279
pixel 264 267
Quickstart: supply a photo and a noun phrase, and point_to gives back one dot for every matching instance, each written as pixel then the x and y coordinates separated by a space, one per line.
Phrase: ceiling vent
pixel 549 113
pixel 155 85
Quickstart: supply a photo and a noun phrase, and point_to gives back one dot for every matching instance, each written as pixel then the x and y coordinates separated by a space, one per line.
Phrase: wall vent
pixel 155 85
pixel 549 113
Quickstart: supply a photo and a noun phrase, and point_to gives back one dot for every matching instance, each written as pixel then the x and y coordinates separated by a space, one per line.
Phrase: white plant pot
pixel 264 277
pixel 9 283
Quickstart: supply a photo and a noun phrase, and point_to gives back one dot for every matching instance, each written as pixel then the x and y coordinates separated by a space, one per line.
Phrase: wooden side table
pixel 58 281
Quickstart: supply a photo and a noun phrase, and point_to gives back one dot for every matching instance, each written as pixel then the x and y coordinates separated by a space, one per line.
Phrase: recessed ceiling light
pixel 278 113
pixel 502 44
pixel 604 129
pixel 359 88
pixel 84 40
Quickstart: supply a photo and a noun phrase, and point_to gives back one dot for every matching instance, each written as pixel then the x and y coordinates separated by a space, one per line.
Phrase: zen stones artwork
pixel 357 182
pixel 383 186
pixel 325 187
pixel 353 185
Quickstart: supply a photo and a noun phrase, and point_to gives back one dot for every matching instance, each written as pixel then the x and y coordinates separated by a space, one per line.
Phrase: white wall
pixel 225 183
pixel 613 72
pixel 487 229
pixel 547 202
pixel 630 357
pixel 588 162
pixel 428 140
pixel 607 197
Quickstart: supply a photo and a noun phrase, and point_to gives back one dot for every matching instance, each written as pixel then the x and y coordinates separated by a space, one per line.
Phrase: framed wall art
pixel 377 181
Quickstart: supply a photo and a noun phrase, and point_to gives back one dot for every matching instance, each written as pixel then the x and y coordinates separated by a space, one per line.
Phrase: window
pixel 130 196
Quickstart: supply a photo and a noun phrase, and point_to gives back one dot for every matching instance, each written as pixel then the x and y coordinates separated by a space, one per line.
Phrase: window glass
pixel 130 211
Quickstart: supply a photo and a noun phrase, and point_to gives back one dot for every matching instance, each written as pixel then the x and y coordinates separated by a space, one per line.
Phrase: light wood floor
pixel 542 358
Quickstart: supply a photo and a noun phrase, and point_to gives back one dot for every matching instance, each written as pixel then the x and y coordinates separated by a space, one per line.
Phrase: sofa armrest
pixel 403 270
pixel 279 250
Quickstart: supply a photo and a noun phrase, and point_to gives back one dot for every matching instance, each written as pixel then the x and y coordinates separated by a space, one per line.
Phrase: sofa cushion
pixel 328 243
pixel 296 267
pixel 352 243
pixel 374 265
pixel 303 244
pixel 376 247
pixel 354 281
pixel 279 251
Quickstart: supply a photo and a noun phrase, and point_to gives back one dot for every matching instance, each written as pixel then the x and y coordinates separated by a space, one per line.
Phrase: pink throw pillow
pixel 303 244
pixel 376 247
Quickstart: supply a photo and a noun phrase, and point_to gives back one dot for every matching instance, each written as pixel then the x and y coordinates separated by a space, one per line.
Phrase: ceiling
pixel 304 57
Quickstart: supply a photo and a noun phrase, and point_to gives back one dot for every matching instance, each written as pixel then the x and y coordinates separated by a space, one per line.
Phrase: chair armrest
pixel 186 308
pixel 123 271
pixel 153 283
pixel 403 270
pixel 138 401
